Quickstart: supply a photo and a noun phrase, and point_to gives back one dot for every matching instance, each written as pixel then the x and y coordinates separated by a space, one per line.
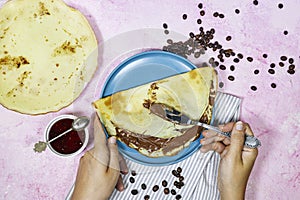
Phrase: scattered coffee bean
pixel 216 14
pixel 200 5
pixel 165 25
pixel 133 173
pixel 131 180
pixel 254 88
pixel 202 12
pixel 256 71
pixel 199 21
pixel 255 2
pixel 174 172
pixel 231 78
pixel 280 5
pixel 169 41
pixel 155 188
pixel 181 178
pixel 237 11
pixel 250 59
pixel 228 38
pixel 271 71
pixel 178 197
pixel 291 60
pixel 222 67
pixel 291 71
pixel 221 16
pixel 184 16
pixel 240 56
pixel 192 35
pixel 283 58
pixel 166 32
pixel 281 64
pixel 176 183
pixel 166 190
pixel 179 169
pixel 164 183
pixel 236 60
pixel 173 192
pixel 273 85
pixel 221 84
pixel 285 32
pixel 217 63
pixel 272 65
pixel 146 197
pixel 181 183
pixel 134 192
pixel 265 55
pixel 292 67
pixel 144 186
pixel 232 67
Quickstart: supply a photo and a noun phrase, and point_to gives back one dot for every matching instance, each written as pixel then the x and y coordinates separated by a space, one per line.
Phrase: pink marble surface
pixel 274 113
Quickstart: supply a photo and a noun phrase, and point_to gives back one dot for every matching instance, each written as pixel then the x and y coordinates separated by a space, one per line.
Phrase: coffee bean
pixel 256 71
pixel 240 56
pixel 181 178
pixel 292 67
pixel 169 41
pixel 215 14
pixel 166 32
pixel 176 183
pixel 165 25
pixel 271 71
pixel 222 67
pixel 155 188
pixel 221 16
pixel 200 5
pixel 291 71
pixel 231 78
pixel 250 59
pixel 164 183
pixel 281 64
pixel 283 58
pixel 144 186
pixel 265 55
pixel 179 170
pixel 291 60
pixel 221 84
pixel 273 85
pixel 134 192
pixel 131 180
pixel 272 65
pixel 202 12
pixel 237 11
pixel 255 2
pixel 236 60
pixel 178 197
pixel 174 172
pixel 254 88
pixel 228 38
pixel 181 183
pixel 184 16
pixel 285 32
pixel 232 67
pixel 173 192
pixel 166 190
pixel 199 21
pixel 146 197
pixel 280 5
pixel 133 173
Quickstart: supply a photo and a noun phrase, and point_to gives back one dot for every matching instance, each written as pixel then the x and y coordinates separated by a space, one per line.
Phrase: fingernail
pixel 239 126
pixel 112 140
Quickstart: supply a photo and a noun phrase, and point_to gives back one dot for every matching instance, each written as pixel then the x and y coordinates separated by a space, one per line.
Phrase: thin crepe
pixel 126 114
pixel 48 54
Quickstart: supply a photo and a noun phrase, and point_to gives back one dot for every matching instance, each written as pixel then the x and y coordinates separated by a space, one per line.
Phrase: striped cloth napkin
pixel 199 171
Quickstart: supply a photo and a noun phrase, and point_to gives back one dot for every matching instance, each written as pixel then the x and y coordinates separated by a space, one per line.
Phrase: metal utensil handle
pixel 250 141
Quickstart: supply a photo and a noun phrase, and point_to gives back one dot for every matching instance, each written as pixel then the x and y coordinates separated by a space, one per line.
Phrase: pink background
pixel 274 113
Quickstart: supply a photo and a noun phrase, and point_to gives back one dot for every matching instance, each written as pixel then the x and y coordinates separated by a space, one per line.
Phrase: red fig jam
pixel 68 143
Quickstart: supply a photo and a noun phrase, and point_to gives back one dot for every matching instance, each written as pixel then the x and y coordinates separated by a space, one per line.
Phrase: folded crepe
pixel 48 52
pixel 126 114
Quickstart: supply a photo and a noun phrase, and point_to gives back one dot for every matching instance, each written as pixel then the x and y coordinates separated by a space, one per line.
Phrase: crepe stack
pixel 126 114
pixel 48 52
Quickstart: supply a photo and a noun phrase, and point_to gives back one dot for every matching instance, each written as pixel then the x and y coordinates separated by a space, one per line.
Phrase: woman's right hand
pixel 236 160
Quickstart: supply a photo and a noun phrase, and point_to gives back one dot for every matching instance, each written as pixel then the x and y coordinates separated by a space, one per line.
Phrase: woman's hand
pixel 236 160
pixel 99 169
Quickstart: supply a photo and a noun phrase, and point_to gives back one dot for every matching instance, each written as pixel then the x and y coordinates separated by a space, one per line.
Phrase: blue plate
pixel 141 69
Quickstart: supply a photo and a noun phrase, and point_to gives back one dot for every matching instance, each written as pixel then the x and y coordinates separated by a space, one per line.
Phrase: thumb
pixel 237 139
pixel 114 154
